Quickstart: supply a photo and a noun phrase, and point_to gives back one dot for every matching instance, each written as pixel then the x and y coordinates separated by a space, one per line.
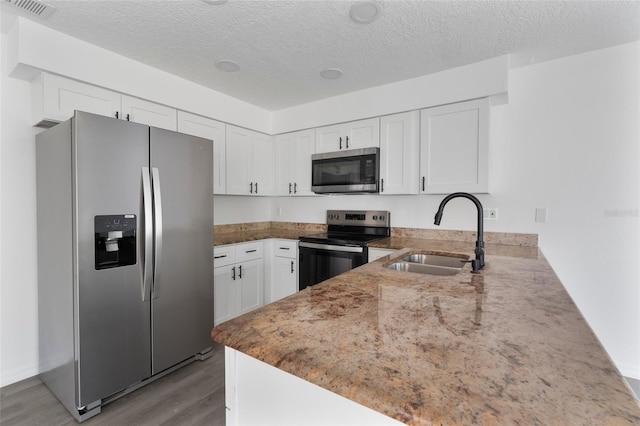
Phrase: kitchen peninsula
pixel 507 346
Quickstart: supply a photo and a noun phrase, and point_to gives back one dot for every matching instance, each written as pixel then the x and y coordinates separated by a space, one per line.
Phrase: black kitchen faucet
pixel 478 263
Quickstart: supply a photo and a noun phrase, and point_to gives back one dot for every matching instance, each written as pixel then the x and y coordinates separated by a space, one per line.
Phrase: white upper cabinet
pixel 149 113
pixel 352 135
pixel 454 143
pixel 249 162
pixel 293 163
pixel 207 128
pixel 399 153
pixel 55 98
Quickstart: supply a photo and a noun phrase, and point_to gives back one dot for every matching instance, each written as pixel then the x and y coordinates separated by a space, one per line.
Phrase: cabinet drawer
pixel 249 251
pixel 224 255
pixel 285 248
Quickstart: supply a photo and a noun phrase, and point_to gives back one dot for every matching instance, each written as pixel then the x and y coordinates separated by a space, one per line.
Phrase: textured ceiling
pixel 281 45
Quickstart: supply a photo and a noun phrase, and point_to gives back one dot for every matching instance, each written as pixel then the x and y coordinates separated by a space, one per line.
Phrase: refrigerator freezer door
pixel 182 302
pixel 113 321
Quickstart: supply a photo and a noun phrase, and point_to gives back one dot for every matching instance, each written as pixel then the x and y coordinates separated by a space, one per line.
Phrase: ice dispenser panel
pixel 115 240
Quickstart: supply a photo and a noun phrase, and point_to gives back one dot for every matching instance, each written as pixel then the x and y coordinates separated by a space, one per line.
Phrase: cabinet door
pixel 262 164
pixel 399 151
pixel 149 113
pixel 251 285
pixel 56 98
pixel 238 161
pixel 305 147
pixel 225 304
pixel 293 163
pixel 454 148
pixel 285 278
pixel 362 134
pixel 330 138
pixel 207 128
pixel 285 163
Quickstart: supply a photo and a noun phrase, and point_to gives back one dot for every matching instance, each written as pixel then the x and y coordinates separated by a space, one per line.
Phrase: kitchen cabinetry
pixel 352 135
pixel 293 163
pixel 207 128
pixel 149 113
pixel 55 98
pixel 399 153
pixel 377 253
pixel 249 162
pixel 284 279
pixel 454 148
pixel 238 281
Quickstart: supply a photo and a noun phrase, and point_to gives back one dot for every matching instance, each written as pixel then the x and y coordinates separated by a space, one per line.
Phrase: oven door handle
pixel 348 249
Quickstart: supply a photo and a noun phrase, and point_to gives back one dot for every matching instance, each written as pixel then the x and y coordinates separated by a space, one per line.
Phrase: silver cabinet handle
pixel 117 114
pixel 220 257
pixel 128 117
pixel 340 142
pixel 157 210
pixel 240 271
pixel 423 179
pixel 251 251
pixel 292 266
pixel 256 187
pixel 289 187
pixel 147 218
pixel 347 142
pixel 382 185
pixel 233 273
pixel 295 188
pixel 283 248
pixel 251 187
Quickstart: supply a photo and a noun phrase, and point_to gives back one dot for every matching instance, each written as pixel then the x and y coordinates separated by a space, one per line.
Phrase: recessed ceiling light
pixel 227 65
pixel 331 73
pixel 365 11
pixel 216 2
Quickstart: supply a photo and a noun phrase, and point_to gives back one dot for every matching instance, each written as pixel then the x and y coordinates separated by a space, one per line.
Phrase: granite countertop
pixel 507 346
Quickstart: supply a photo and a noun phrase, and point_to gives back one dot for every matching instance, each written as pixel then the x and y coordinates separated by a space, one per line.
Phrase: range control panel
pixel 378 218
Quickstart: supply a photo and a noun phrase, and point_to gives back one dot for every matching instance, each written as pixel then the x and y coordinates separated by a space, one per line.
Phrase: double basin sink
pixel 432 264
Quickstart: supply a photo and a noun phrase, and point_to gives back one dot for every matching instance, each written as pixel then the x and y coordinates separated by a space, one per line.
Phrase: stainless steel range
pixel 343 246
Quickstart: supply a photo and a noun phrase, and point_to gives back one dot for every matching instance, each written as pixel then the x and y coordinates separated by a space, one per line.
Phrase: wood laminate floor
pixel 192 395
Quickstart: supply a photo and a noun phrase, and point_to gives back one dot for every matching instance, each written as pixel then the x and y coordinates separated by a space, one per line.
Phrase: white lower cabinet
pixel 238 280
pixel 284 276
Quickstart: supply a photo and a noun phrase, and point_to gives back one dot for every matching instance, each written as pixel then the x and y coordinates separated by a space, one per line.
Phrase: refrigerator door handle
pixel 148 233
pixel 157 211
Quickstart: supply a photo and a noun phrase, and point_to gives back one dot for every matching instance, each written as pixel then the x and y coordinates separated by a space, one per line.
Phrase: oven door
pixel 319 262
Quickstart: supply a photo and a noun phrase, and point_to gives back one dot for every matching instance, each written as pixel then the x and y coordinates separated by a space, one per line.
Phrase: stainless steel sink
pixel 420 268
pixel 431 264
pixel 435 260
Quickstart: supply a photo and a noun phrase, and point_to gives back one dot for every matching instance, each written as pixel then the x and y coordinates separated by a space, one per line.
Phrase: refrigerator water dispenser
pixel 115 240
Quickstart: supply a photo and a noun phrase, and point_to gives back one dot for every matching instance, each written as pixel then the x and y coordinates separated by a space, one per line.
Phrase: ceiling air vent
pixel 33 7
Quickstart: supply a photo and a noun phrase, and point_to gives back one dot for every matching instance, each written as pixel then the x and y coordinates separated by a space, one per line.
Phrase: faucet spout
pixel 478 263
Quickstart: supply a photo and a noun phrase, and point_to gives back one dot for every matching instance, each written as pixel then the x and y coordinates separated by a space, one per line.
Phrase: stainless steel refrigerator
pixel 125 256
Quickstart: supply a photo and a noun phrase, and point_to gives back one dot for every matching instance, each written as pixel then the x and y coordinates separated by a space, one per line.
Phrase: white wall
pixel 568 140
pixel 18 258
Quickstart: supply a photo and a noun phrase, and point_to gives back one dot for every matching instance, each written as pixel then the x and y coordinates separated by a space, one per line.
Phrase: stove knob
pixel 375 217
pixel 381 217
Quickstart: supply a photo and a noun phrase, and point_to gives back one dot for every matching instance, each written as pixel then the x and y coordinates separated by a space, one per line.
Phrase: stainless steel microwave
pixel 352 171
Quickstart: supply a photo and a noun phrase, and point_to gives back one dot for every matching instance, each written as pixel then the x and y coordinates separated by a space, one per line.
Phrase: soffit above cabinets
pixel 281 46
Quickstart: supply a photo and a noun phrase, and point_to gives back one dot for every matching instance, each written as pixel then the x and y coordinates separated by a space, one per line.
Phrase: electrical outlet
pixel 490 214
